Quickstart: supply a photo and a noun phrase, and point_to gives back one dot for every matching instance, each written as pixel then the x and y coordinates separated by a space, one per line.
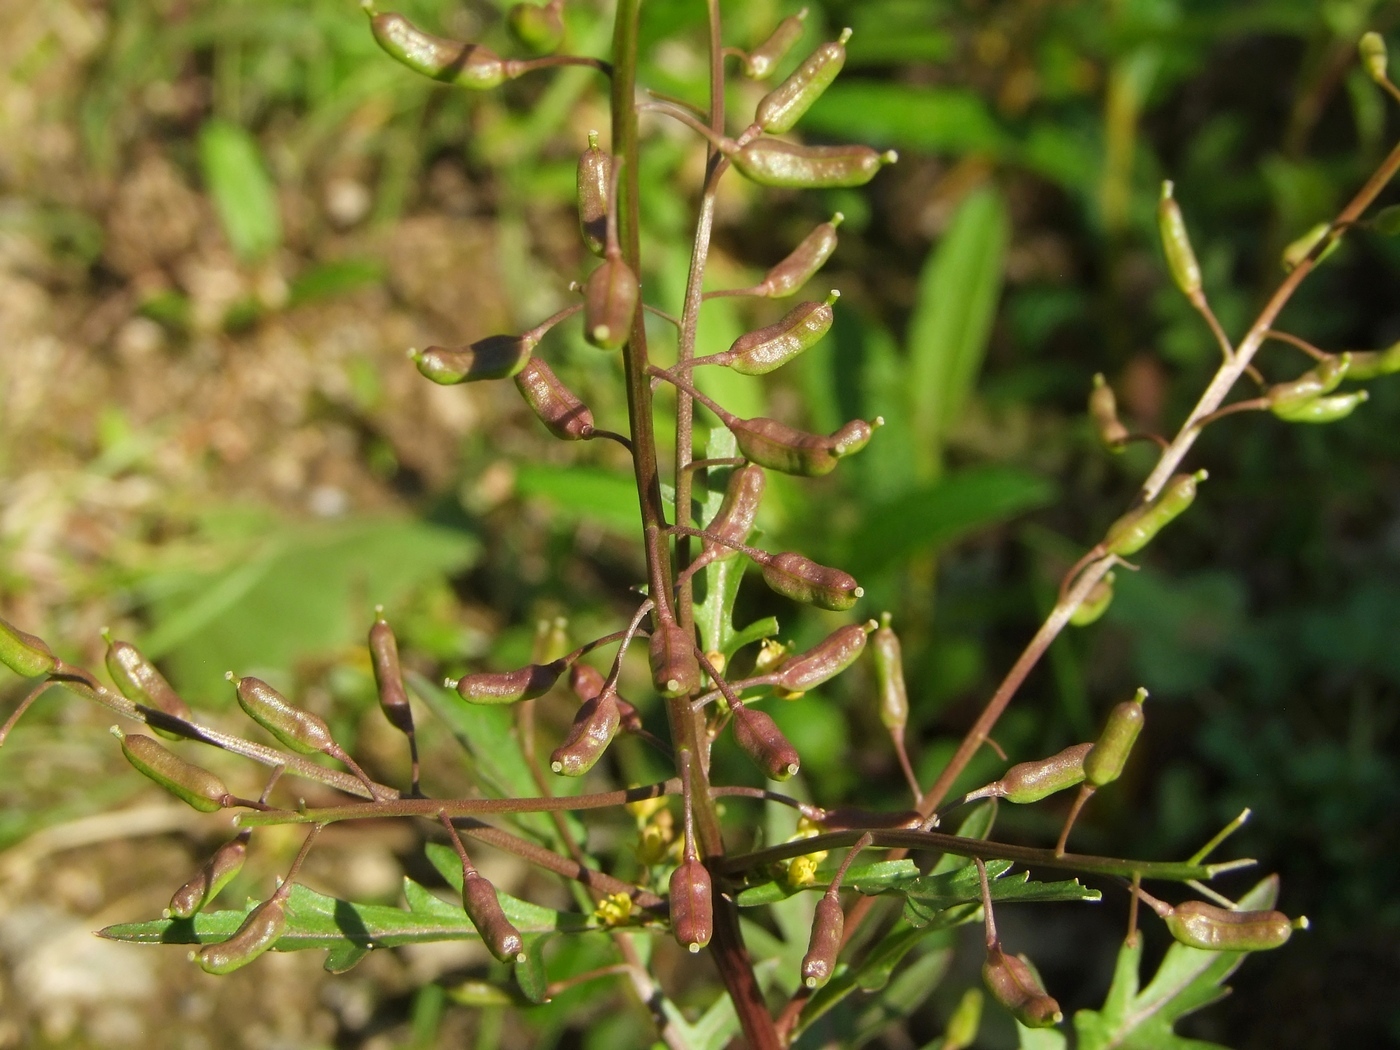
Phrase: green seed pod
pixel 1014 984
pixel 483 907
pixel 1095 603
pixel 734 520
pixel 610 298
pixel 452 62
pixel 388 676
pixel 825 660
pixel 1103 410
pixel 773 162
pixel 557 407
pixel 1104 762
pixel 299 730
pixel 1323 378
pixel 1321 409
pixel 762 61
pixel 595 725
pixel 763 741
pixel 1028 782
pixel 508 687
pixel 538 28
pixel 1176 244
pixel 495 357
pixel 259 932
pixel 187 782
pixel 1374 60
pixel 1136 529
pixel 828 924
pixel 213 876
pixel 766 349
pixel 675 671
pixel 889 677
pixel 803 580
pixel 1303 247
pixel 784 106
pixel 594 178
pixel 140 682
pixel 23 653
pixel 692 908
pixel 1197 924
pixel 1371 364
pixel 802 263
pixel 780 447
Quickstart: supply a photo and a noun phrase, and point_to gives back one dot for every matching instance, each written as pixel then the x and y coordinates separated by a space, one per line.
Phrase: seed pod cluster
pixel 762 61
pixel 452 62
pixel 797 577
pixel 784 106
pixel 508 687
pixel 761 739
pixel 213 876
pixel 483 908
pixel 24 653
pixel 788 450
pixel 762 351
pixel 259 932
pixel 824 661
pixel 297 729
pixel 140 682
pixel 558 407
pixel 1104 762
pixel 802 263
pixel 1014 984
pixel 593 729
pixel 692 909
pixel 773 162
pixel 495 357
pixel 186 781
pixel 1137 528
pixel 828 925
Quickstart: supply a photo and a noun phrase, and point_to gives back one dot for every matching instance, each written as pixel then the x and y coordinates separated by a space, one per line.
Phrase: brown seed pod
pixel 734 520
pixel 558 407
pixel 825 660
pixel 773 444
pixel 774 162
pixel 495 357
pixel 1032 781
pixel 1014 984
pixel 593 729
pixel 483 908
pixel 186 781
pixel 1201 925
pixel 802 263
pixel 610 298
pixel 508 687
pixel 594 177
pixel 298 729
pixel 763 741
pixel 801 579
pixel 213 875
pixel 587 682
pixel 692 909
pixel 23 653
pixel 763 350
pixel 675 671
pixel 259 932
pixel 828 924
pixel 466 65
pixel 388 676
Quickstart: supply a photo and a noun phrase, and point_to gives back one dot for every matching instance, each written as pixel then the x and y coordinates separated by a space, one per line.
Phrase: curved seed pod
pixel 1014 984
pixel 1176 245
pixel 588 682
pixel 889 677
pixel 825 660
pixel 507 687
pixel 692 909
pixel 764 742
pixel 213 876
pixel 1371 48
pixel 495 357
pixel 594 727
pixel 452 62
pixel 851 817
pixel 828 924
pixel 1103 410
pixel 734 520
pixel 558 407
pixel 388 676
pixel 1371 364
pixel 1299 250
pixel 539 28
pixel 780 447
pixel 674 669
pixel 1136 529
pixel 1105 760
pixel 24 653
pixel 259 932
pixel 803 580
pixel 594 177
pixel 762 351
pixel 610 297
pixel 297 729
pixel 1028 782
pixel 483 907
pixel 773 162
pixel 802 263
pixel 186 781
pixel 1095 603
pixel 784 106
pixel 1323 378
pixel 1197 924
pixel 1322 409
pixel 139 680
pixel 760 63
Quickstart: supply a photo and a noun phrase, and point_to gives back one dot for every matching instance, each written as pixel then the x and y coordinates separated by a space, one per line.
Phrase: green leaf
pixel 905 994
pixel 874 877
pixel 345 957
pixel 329 279
pixel 933 894
pixel 529 972
pixel 243 194
pixel 1040 1038
pixel 716 1027
pixel 575 492
pixel 976 825
pixel 948 120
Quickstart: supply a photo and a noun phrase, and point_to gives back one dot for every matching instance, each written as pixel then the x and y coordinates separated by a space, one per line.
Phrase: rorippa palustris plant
pixel 683 877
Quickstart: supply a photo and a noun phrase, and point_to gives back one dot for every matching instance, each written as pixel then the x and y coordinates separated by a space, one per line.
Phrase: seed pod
pixel 259 932
pixel 1136 529
pixel 212 877
pixel 1014 984
pixel 595 725
pixel 23 653
pixel 495 357
pixel 889 677
pixel 1371 364
pixel 1322 409
pixel 1323 378
pixel 483 907
pixel 508 687
pixel 610 297
pixel 828 924
pixel 1371 48
pixel 784 106
pixel 845 818
pixel 734 520
pixel 594 177
pixel 1176 245
pixel 388 676
pixel 587 682
pixel 186 781
pixel 825 660
pixel 1197 924
pixel 539 28
pixel 1105 760
pixel 1295 253
pixel 773 162
pixel 1103 410
pixel 139 680
pixel 674 669
pixel 452 62
pixel 1095 603
pixel 692 909
pixel 802 263
pixel 1028 782
pixel 764 742
pixel 297 729
pixel 558 407
pixel 766 349
pixel 760 63
pixel 803 580
pixel 770 443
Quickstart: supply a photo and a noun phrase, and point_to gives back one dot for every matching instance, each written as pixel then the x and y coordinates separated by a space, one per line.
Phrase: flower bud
pixel 23 653
pixel 1371 48
pixel 824 661
pixel 675 671
pixel 610 297
pixel 763 741
pixel 784 106
pixel 1095 603
pixel 539 28
pixel 1103 410
pixel 780 447
pixel 692 909
pixel 1104 762
pixel 828 924
pixel 213 876
pixel 734 520
pixel 766 349
pixel 199 787
pixel 388 676
pixel 594 178
pixel 508 687
pixel 557 407
pixel 1321 409
pixel 466 65
pixel 495 357
pixel 760 63
pixel 1014 984
pixel 1176 244
pixel 1136 529
pixel 1028 782
pixel 889 677
pixel 140 682
pixel 1197 924
pixel 259 932
pixel 773 162
pixel 594 727
pixel 299 730
pixel 803 580
pixel 483 908
pixel 802 263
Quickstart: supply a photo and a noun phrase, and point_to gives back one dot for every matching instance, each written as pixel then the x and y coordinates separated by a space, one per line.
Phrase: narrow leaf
pixel 243 193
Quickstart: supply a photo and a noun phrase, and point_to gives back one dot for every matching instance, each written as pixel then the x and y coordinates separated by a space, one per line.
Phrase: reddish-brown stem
pixel 1301 344
pixel 1086 792
pixel 24 705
